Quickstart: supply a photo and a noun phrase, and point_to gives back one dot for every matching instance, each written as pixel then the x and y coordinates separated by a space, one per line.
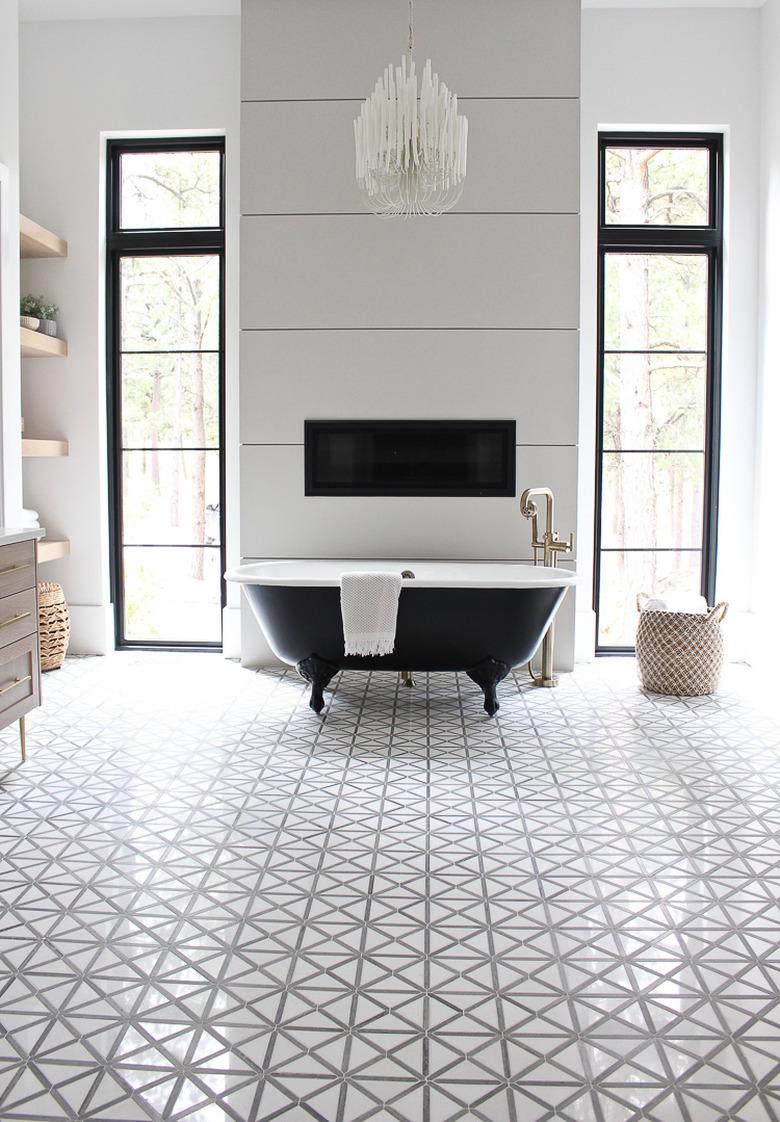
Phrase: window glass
pixel 652 500
pixel 625 574
pixel 655 301
pixel 166 190
pixel 170 302
pixel 655 401
pixel 170 400
pixel 657 186
pixel 172 595
pixel 170 496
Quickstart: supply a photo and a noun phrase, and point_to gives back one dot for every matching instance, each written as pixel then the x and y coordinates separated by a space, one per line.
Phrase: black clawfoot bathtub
pixel 480 618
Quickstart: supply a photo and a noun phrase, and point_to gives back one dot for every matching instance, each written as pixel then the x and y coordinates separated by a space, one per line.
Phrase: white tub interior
pixel 428 574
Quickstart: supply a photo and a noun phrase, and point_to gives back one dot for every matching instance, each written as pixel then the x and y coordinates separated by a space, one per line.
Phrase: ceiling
pixel 124 9
pixel 672 3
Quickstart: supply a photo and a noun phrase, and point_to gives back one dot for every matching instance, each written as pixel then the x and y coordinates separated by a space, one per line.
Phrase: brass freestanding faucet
pixel 549 545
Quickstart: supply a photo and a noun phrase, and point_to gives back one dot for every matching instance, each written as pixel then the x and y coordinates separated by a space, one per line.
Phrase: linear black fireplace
pixel 410 458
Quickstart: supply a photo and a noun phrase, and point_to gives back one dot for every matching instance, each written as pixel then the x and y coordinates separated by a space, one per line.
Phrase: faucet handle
pixel 559 546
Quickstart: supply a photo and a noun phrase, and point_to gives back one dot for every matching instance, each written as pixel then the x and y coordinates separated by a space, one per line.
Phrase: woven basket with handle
pixel 54 624
pixel 680 653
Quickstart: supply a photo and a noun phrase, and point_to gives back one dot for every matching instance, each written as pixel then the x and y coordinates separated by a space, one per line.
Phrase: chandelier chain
pixel 411 28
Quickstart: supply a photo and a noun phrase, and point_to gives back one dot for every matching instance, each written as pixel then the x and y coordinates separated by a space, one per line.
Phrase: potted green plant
pixel 29 313
pixel 40 310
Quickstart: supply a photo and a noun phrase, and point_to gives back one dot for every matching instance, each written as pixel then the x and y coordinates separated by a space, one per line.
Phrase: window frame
pixel 165 241
pixel 704 240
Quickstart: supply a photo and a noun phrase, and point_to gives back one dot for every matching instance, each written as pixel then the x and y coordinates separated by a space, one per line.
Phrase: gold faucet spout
pixel 549 545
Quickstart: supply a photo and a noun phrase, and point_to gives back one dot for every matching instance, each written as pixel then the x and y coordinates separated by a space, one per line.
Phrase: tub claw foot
pixel 318 673
pixel 487 674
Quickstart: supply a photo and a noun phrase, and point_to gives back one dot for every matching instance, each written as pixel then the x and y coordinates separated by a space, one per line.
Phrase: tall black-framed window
pixel 165 238
pixel 660 270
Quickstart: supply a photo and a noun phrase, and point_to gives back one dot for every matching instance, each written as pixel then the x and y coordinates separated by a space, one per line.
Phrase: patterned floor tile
pixel 220 908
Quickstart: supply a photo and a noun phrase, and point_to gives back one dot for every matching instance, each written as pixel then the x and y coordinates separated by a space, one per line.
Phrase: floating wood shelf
pixel 50 549
pixel 44 447
pixel 37 241
pixel 37 345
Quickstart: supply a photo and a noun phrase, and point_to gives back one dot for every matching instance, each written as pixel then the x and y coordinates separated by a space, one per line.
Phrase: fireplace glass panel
pixel 410 458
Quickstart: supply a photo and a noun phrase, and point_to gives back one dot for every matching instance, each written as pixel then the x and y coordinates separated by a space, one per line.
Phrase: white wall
pixel 474 314
pixel 684 69
pixel 10 404
pixel 767 537
pixel 81 81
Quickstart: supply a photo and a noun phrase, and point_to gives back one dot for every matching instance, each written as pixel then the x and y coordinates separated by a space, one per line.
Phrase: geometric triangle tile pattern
pixel 218 907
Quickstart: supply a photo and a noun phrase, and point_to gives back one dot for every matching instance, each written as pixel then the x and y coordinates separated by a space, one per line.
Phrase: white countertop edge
pixel 11 535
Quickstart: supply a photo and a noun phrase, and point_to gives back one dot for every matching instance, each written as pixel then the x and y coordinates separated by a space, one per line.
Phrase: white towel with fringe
pixel 369 609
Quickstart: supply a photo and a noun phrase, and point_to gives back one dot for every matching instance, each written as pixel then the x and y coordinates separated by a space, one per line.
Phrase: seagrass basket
pixel 680 653
pixel 54 624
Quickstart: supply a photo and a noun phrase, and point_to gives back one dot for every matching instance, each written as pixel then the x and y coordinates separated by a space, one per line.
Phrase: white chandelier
pixel 410 151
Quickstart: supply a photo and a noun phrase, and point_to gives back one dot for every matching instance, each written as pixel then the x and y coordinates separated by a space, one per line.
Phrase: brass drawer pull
pixel 16 682
pixel 15 568
pixel 15 619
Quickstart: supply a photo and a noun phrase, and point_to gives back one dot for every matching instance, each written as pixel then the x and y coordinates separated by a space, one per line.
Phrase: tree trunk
pixel 198 479
pixel 176 456
pixel 154 458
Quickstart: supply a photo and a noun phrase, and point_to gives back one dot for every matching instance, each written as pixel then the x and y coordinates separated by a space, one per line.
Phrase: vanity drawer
pixel 19 678
pixel 17 567
pixel 17 616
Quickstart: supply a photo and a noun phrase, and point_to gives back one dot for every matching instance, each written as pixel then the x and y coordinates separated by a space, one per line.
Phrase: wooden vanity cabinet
pixel 20 676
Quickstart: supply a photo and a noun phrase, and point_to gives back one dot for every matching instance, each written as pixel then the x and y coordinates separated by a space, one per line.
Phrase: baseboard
pixel 741 638
pixel 231 631
pixel 585 635
pixel 91 629
pixel 563 657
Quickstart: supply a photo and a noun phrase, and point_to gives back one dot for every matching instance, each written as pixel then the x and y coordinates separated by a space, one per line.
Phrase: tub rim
pixel 508 574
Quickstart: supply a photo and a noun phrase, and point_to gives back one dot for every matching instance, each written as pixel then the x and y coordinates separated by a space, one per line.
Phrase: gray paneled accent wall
pixel 345 315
